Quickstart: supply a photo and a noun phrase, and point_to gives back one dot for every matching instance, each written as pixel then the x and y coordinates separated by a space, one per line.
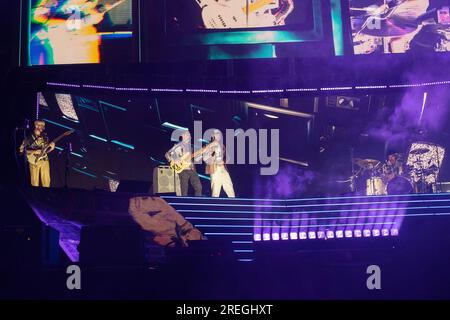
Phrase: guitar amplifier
pixel 165 180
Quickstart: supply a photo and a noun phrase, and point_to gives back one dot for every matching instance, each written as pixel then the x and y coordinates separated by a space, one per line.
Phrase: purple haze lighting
pixel 358 233
pixel 339 234
pixel 321 234
pixel 312 235
pixel 366 233
pixel 266 236
pixel 348 233
pixel 302 235
pixel 384 232
pixel 293 235
pixel 275 236
pixel 394 232
pixel 330 234
pixel 257 237
pixel 376 232
pixel 284 236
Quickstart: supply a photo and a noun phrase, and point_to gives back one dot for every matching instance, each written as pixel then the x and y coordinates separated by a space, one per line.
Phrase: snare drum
pixel 375 187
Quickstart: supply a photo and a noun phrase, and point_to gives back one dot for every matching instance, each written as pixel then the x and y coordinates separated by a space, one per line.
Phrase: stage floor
pixel 244 223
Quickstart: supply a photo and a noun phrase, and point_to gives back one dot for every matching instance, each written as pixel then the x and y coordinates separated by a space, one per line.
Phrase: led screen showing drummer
pixel 398 26
pixel 79 31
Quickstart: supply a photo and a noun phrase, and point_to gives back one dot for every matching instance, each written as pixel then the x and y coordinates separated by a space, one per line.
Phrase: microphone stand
pixel 68 149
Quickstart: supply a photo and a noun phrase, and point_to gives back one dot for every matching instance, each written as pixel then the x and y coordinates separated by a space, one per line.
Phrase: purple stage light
pixel 366 233
pixel 302 235
pixel 339 234
pixel 376 232
pixel 257 237
pixel 275 236
pixel 321 234
pixel 348 233
pixel 358 233
pixel 384 232
pixel 330 234
pixel 394 232
pixel 294 235
pixel 284 236
pixel 266 236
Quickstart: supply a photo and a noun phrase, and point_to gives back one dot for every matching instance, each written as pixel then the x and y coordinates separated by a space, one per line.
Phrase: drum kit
pixel 393 176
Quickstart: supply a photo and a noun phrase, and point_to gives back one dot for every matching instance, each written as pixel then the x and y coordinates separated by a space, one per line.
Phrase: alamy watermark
pixel 236 142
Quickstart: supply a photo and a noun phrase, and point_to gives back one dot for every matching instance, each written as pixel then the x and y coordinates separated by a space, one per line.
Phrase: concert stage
pixel 246 225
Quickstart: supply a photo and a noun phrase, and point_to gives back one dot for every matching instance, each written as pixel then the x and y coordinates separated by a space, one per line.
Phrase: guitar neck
pixel 202 150
pixel 256 5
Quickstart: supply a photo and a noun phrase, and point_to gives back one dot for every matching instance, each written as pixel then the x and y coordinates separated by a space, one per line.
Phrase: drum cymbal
pixel 366 163
pixel 419 151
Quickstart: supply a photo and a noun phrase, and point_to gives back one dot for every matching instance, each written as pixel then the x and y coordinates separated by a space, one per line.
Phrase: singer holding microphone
pixel 34 145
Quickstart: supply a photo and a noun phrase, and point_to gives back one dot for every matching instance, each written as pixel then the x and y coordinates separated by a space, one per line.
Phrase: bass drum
pixel 399 185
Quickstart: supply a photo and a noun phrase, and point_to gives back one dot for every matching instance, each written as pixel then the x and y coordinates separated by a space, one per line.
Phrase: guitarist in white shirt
pixel 183 150
pixel 34 144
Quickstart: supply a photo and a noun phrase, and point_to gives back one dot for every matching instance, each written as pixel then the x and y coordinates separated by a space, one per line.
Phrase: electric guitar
pixel 34 157
pixel 185 161
pixel 220 16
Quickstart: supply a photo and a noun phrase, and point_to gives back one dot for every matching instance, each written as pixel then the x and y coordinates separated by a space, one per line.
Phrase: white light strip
pixel 98 87
pixel 335 88
pixel 132 89
pixel 166 90
pixel 268 91
pixel 234 91
pixel 63 84
pixel 370 87
pixel 301 89
pixel 202 90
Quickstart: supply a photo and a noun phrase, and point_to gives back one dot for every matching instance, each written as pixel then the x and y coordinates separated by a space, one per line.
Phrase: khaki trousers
pixel 40 170
pixel 221 178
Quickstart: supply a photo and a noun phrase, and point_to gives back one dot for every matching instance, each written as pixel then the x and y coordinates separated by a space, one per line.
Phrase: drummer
pixel 393 167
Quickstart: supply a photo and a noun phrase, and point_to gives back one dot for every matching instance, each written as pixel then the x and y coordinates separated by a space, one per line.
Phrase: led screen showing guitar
pixel 185 161
pixel 241 13
pixel 34 157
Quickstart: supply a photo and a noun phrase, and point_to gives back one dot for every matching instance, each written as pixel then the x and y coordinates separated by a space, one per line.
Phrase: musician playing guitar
pixel 182 151
pixel 34 144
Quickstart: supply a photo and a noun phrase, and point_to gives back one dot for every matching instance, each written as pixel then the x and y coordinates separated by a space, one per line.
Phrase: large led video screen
pixel 399 26
pixel 80 31
pixel 233 29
